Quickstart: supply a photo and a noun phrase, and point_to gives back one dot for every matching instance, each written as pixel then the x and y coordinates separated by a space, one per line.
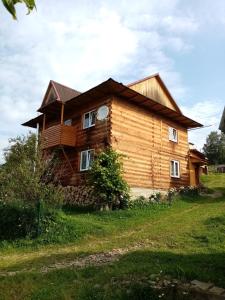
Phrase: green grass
pixel 185 240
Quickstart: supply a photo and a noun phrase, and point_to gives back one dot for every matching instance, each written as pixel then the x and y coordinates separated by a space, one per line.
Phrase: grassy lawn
pixel 185 240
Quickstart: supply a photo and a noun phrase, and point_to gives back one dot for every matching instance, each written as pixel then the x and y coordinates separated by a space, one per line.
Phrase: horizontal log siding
pixel 96 137
pixel 143 137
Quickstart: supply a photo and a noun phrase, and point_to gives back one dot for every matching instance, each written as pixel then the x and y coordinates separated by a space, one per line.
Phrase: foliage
pixel 190 191
pixel 105 176
pixel 25 190
pixel 25 175
pixel 184 241
pixel 10 6
pixel 143 202
pixel 214 148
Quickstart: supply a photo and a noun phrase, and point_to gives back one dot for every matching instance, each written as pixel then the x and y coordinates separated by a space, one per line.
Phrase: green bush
pixel 105 176
pixel 16 221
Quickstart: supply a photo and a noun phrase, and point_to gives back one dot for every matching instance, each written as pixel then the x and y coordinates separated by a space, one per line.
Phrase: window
pixel 89 119
pixel 86 158
pixel 68 122
pixel 175 168
pixel 172 134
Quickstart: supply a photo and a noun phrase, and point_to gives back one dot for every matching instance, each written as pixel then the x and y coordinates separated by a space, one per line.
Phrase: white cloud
pixel 82 43
pixel 206 113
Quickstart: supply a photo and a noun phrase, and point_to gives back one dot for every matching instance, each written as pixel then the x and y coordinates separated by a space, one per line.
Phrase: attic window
pixel 172 134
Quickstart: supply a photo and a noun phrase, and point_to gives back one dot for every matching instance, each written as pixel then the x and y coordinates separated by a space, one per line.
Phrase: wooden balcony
pixel 58 135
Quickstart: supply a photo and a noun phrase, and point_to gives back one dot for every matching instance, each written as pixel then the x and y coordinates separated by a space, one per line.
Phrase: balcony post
pixel 62 114
pixel 44 119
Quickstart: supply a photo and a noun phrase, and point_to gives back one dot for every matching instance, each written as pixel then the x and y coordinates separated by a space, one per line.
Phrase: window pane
pixel 90 158
pixel 172 168
pixel 92 118
pixel 84 160
pixel 174 134
pixel 176 169
pixel 86 120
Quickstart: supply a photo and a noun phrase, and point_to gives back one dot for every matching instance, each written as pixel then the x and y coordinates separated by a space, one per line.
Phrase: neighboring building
pixel 198 164
pixel 220 168
pixel 141 120
pixel 222 122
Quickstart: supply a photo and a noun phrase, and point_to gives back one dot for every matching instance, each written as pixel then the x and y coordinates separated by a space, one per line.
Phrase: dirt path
pixel 97 259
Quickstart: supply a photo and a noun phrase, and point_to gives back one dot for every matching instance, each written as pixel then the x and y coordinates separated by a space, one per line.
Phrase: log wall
pixel 143 137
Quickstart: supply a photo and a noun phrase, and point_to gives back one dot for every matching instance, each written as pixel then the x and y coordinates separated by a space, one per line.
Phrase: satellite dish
pixel 102 113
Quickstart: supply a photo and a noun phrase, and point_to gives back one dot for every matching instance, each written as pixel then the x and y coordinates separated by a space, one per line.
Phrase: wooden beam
pixel 62 114
pixel 44 121
pixel 67 159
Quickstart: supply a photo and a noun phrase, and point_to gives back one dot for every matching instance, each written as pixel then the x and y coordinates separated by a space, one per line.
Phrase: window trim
pixel 170 128
pixel 86 169
pixel 88 112
pixel 171 169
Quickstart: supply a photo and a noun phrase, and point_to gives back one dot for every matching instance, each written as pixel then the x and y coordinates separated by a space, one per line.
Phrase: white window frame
pixel 89 119
pixel 88 159
pixel 173 168
pixel 171 136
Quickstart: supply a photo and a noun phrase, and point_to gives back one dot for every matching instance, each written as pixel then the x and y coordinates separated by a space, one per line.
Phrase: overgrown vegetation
pixel 25 190
pixel 185 241
pixel 214 148
pixel 105 176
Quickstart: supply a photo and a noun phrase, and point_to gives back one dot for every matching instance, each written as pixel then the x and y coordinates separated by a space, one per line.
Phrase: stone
pixel 202 285
pixel 217 290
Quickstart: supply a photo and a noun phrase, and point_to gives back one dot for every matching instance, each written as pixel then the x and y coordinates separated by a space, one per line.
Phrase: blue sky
pixel 83 43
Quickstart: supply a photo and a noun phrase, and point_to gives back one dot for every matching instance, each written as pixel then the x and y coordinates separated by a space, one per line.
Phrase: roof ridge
pixel 143 79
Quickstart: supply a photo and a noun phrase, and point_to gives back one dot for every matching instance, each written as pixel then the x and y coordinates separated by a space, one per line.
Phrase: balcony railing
pixel 58 135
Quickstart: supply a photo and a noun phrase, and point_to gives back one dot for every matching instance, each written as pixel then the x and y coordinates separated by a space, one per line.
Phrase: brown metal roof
pixel 65 93
pixel 33 122
pixel 112 87
pixel 197 155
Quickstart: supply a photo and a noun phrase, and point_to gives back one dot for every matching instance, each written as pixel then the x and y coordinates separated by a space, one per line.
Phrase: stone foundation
pixel 145 192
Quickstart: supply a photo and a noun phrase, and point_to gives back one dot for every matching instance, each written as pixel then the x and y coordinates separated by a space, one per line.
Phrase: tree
pixel 105 176
pixel 214 148
pixel 24 177
pixel 10 6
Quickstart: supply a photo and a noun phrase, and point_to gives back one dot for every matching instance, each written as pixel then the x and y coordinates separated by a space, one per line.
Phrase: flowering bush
pixel 171 193
pixel 189 190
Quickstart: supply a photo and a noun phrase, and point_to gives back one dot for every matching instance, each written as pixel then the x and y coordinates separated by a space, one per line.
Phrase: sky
pixel 82 43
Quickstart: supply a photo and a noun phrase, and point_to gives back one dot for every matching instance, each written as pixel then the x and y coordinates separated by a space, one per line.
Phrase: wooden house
pixel 140 120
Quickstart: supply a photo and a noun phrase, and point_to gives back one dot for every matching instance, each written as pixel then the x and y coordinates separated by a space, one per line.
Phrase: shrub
pixel 105 176
pixel 24 187
pixel 189 191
